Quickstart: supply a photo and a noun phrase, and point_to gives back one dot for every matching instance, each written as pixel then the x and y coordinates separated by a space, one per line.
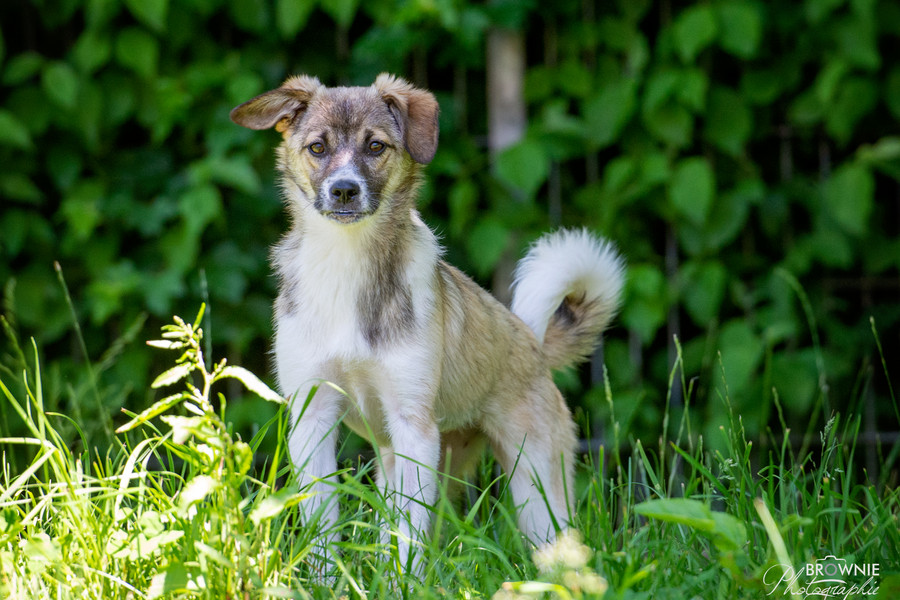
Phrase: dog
pixel 434 368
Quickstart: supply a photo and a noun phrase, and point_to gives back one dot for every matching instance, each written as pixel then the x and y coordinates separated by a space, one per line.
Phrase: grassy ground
pixel 178 509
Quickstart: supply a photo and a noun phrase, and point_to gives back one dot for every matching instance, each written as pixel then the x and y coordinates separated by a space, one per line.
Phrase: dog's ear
pixel 416 112
pixel 279 107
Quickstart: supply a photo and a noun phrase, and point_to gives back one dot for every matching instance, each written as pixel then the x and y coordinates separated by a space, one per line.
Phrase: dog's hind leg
pixel 534 446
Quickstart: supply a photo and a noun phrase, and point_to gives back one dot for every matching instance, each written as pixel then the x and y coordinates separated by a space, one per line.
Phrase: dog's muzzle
pixel 345 201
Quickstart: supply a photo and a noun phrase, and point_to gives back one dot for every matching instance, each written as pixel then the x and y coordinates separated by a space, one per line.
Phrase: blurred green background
pixel 744 155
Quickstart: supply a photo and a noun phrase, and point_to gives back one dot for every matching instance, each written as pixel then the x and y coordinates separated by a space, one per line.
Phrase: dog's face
pixel 347 148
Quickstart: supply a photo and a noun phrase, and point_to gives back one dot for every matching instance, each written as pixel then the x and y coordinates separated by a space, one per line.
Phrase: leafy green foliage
pixel 714 142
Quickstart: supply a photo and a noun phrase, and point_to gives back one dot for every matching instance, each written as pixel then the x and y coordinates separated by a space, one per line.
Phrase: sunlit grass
pixel 179 507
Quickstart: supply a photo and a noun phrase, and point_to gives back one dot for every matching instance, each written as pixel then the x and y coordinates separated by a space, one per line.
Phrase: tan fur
pixel 433 365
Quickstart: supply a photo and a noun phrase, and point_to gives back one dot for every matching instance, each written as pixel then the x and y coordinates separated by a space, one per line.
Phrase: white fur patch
pixel 562 263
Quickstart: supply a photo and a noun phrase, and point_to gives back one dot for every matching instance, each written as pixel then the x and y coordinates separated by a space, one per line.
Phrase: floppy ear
pixel 279 107
pixel 416 112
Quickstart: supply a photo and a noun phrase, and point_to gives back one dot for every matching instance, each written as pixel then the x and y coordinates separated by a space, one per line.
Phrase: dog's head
pixel 348 148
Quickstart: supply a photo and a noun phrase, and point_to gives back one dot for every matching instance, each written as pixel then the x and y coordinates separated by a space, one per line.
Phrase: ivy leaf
pixel 741 353
pixel 462 200
pixel 291 16
pixel 60 83
pixel 849 197
pixel 854 100
pixel 485 244
pixel 703 289
pixel 606 113
pixel 695 28
pixel 672 124
pixel 137 50
pixel 342 11
pixel 692 188
pixel 729 122
pixel 92 51
pixel 644 311
pixel 151 13
pixel 740 28
pixel 523 166
pixel 13 132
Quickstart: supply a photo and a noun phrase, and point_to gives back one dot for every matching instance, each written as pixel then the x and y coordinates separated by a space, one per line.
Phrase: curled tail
pixel 567 289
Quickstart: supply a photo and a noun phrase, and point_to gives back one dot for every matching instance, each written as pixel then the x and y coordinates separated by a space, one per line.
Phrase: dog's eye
pixel 317 148
pixel 376 147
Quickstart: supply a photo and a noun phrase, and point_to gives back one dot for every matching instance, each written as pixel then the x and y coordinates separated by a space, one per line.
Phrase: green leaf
pixel 196 490
pixel 22 67
pixel 172 376
pixel 883 155
pixel 729 532
pixel 857 39
pixel 892 92
pixel 854 100
pixel 291 16
pixel 729 122
pixel 137 50
pixel 695 28
pixel 683 511
pixel 849 197
pixel 251 15
pixel 173 579
pixel 703 289
pixel 462 200
pixel 741 351
pixel 60 83
pixel 795 377
pixel 199 205
pixel 671 124
pixel 606 113
pixel 818 10
pixel 81 208
pixel 16 186
pixel 252 383
pixel 692 89
pixel 660 86
pixel 485 244
pixel 888 587
pixel 523 166
pixel 644 309
pixel 13 132
pixel 92 50
pixel 271 506
pixel 153 411
pixel 151 13
pixel 692 189
pixel 740 28
pixel 40 547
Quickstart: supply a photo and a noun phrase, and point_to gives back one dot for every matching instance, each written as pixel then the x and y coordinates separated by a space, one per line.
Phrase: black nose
pixel 344 190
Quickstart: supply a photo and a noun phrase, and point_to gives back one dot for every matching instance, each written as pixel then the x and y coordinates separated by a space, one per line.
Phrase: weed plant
pixel 181 507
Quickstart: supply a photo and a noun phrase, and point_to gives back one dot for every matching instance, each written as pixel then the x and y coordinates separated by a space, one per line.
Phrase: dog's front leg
pixel 312 446
pixel 410 475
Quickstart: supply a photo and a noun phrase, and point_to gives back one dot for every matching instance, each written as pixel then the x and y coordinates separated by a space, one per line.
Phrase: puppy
pixel 434 368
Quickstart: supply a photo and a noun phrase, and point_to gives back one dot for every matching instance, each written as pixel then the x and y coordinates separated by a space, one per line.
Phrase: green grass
pixel 180 507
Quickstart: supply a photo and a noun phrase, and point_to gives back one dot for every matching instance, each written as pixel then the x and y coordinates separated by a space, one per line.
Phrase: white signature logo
pixel 828 577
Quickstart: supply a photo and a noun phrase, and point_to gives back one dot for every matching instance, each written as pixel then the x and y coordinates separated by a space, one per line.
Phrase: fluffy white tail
pixel 568 289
